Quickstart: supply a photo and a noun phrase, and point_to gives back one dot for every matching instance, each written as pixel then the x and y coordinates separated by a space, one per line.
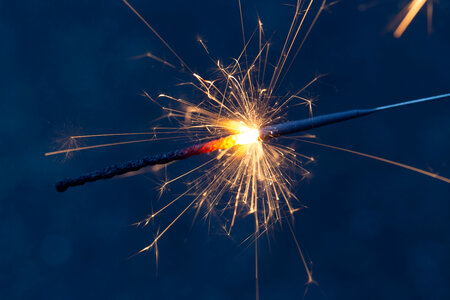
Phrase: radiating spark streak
pixel 152 216
pixel 236 202
pixel 265 62
pixel 285 103
pixel 305 264
pixel 284 56
pixel 145 94
pixel 430 174
pixel 188 172
pixel 256 260
pixel 297 10
pixel 110 134
pixel 250 240
pixel 243 32
pixel 200 40
pixel 150 55
pixel 156 255
pixel 244 51
pixel 412 9
pixel 304 39
pixel 167 228
pixel 157 35
pixel 103 145
pixel 259 44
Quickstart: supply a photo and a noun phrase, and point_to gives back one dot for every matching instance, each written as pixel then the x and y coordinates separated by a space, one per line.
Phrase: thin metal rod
pixel 273 131
pixel 319 121
pixel 413 102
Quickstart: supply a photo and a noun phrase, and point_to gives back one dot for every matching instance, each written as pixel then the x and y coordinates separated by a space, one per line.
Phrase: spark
pixel 202 42
pixel 154 57
pixel 420 171
pixel 405 17
pixel 66 151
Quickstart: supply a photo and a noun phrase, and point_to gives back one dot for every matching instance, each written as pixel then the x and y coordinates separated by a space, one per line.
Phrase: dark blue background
pixel 373 231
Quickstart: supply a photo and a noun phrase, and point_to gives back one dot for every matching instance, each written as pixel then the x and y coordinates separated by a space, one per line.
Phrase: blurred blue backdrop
pixel 372 231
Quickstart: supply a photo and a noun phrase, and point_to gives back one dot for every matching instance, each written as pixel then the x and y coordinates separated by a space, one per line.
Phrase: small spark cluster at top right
pixel 408 13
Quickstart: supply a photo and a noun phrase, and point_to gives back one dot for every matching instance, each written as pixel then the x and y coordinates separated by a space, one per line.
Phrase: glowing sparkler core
pixel 248 136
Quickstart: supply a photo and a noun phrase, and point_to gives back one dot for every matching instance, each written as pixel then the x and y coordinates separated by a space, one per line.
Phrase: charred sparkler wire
pixel 227 142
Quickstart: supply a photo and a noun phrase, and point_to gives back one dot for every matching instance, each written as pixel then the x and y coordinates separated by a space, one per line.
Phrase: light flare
pixel 402 21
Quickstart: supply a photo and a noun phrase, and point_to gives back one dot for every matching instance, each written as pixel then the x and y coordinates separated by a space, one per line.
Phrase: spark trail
pixel 248 136
pixel 402 21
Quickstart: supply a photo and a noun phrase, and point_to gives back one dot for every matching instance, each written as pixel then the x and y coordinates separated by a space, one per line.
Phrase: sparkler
pixel 247 136
pixel 236 106
pixel 236 120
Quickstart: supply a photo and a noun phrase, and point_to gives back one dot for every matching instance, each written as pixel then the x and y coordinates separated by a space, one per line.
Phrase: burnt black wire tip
pixel 133 165
pixel 115 170
pixel 61 186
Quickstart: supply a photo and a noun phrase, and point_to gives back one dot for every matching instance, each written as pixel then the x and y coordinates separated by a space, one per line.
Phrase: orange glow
pixel 412 9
